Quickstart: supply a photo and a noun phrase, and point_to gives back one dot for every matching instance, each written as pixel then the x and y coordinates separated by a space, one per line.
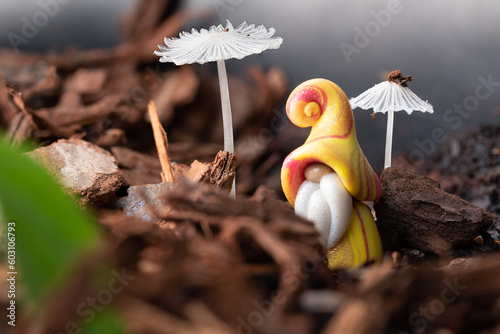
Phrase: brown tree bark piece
pixel 147 202
pixel 86 81
pixel 414 212
pixel 139 48
pixel 70 115
pixel 71 112
pixel 143 17
pixel 22 70
pixel 251 228
pixel 187 152
pixel 7 108
pixel 137 168
pixel 179 88
pixel 453 299
pixel 219 172
pixel 22 125
pixel 18 100
pixel 48 87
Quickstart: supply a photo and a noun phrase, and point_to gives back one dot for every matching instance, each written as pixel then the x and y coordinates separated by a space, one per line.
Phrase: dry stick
pixel 18 101
pixel 161 143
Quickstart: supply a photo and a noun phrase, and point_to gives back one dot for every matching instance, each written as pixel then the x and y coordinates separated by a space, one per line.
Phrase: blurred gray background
pixel 447 46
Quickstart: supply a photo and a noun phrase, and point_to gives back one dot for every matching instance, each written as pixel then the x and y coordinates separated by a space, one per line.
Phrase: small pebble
pixel 396 259
pixel 415 253
pixel 321 301
pixel 143 202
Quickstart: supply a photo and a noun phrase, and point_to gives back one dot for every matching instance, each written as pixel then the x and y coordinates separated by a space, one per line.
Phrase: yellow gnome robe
pixel 322 105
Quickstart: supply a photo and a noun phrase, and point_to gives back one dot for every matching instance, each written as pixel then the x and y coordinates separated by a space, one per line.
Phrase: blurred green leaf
pixel 52 233
pixel 106 321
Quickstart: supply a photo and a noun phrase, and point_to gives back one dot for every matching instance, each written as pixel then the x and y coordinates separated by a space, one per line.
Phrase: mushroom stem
pixel 388 139
pixel 227 119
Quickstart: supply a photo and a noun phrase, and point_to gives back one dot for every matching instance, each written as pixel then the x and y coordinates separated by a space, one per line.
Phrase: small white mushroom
pixel 390 96
pixel 218 44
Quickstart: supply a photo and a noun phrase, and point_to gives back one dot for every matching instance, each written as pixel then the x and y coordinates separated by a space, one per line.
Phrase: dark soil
pixel 468 165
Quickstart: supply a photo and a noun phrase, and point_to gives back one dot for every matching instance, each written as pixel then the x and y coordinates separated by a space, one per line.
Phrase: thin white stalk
pixel 227 119
pixel 388 139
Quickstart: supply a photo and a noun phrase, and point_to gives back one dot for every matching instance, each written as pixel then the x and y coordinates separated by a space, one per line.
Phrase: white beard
pixel 328 205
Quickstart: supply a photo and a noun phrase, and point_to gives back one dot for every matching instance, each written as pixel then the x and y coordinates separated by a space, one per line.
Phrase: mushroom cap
pixel 387 96
pixel 218 43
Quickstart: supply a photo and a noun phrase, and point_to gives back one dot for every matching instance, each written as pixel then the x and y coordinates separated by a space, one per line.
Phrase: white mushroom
pixel 390 96
pixel 219 43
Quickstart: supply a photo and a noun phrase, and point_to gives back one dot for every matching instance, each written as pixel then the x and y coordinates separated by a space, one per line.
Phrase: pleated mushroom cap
pixel 218 43
pixel 390 95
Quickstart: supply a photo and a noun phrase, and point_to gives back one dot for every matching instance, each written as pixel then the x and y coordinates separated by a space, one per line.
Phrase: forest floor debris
pixel 206 262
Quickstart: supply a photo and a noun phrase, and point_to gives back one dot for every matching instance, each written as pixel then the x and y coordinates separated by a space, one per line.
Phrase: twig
pixel 161 143
pixel 18 101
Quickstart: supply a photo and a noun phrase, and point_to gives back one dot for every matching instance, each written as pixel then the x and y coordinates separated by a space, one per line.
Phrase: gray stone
pixel 84 169
pixel 144 202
